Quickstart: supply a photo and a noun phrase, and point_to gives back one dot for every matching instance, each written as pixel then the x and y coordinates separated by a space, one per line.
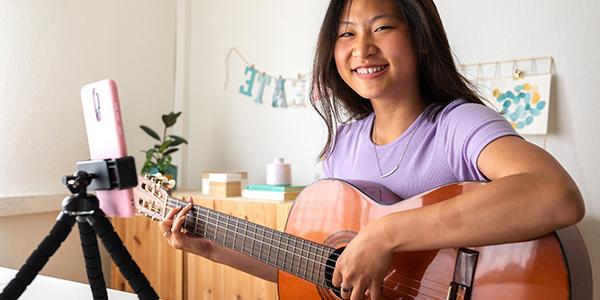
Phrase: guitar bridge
pixel 464 271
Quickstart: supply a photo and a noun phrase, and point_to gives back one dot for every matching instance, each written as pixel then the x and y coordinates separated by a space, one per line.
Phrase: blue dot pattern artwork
pixel 521 105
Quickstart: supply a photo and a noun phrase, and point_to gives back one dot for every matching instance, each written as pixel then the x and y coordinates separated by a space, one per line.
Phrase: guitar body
pixel 331 212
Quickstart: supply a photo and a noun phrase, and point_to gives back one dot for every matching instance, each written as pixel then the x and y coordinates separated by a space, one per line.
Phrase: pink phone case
pixel 106 139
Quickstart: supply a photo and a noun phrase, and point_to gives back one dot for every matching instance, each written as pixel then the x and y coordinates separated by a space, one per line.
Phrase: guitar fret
pixel 206 224
pixel 314 261
pixel 298 256
pixel 317 265
pixel 253 241
pixel 243 237
pixel 323 268
pixel 308 260
pixel 260 253
pixel 295 256
pixel 216 226
pixel 224 219
pixel 277 260
pixel 303 257
pixel 269 247
pixel 285 255
pixel 235 234
pixel 194 211
pixel 185 222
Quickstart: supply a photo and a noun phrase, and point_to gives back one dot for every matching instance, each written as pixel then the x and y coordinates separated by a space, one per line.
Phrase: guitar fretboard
pixel 297 256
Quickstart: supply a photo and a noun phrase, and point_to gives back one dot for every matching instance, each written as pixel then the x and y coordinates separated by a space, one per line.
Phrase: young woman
pixel 417 124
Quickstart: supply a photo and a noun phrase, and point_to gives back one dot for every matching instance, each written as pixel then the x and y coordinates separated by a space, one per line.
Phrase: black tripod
pixel 84 208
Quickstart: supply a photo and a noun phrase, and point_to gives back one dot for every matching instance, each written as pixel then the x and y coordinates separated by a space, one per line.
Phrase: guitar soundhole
pixel 329 270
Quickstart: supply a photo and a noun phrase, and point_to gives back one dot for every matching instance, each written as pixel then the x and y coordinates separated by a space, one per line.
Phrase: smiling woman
pixel 408 123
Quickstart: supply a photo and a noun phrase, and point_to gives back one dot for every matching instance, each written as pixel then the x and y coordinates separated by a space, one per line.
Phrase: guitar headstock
pixel 151 195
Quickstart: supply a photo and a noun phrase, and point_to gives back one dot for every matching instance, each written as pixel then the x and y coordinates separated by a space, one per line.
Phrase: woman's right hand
pixel 179 238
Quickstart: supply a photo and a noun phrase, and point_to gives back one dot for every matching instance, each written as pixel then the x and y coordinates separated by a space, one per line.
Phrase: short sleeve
pixel 327 164
pixel 466 129
pixel 326 168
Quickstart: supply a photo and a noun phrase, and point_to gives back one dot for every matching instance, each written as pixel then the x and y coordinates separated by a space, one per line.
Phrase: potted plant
pixel 158 157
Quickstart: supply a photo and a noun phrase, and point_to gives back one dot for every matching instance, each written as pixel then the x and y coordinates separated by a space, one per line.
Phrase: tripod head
pixel 104 174
pixel 78 182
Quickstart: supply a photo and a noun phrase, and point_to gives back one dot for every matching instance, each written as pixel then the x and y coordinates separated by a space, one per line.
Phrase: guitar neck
pixel 297 256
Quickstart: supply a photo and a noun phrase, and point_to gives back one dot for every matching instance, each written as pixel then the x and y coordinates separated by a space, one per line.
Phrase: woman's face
pixel 373 51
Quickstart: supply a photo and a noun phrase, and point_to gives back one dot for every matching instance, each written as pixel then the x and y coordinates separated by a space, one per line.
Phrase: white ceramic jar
pixel 279 173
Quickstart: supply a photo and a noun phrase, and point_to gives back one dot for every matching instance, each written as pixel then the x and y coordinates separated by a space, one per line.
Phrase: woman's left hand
pixel 363 265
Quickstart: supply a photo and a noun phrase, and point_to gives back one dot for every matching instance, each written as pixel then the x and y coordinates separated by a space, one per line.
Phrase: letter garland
pixel 287 92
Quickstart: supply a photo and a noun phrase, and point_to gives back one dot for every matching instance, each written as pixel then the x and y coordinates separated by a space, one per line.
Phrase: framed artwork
pixel 524 101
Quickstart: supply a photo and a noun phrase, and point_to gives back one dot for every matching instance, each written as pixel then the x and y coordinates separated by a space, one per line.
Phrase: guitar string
pixel 443 292
pixel 311 244
pixel 217 226
pixel 197 213
pixel 389 290
pixel 213 230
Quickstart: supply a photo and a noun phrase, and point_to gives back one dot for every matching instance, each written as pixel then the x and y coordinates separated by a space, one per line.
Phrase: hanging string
pixel 237 51
pixel 497 66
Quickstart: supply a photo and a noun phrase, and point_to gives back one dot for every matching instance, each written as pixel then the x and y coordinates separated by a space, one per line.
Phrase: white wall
pixel 228 131
pixel 567 31
pixel 48 51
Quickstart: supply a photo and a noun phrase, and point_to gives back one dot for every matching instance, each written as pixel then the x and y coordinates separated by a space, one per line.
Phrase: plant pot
pixel 170 173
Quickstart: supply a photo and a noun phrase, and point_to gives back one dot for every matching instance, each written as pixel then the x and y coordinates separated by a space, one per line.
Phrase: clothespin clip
pixel 518 74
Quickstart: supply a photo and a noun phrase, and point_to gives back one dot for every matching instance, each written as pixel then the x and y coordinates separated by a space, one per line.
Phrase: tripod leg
pixel 93 264
pixel 121 256
pixel 39 257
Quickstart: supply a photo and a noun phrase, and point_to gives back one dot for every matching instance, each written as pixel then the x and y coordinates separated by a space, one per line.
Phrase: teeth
pixel 369 70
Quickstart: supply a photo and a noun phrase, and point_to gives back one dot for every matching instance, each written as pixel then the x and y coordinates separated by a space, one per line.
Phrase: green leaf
pixel 170 119
pixel 177 140
pixel 149 154
pixel 170 151
pixel 150 132
pixel 165 145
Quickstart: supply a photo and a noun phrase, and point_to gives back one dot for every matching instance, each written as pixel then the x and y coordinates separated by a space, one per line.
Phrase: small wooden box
pixel 223 183
pixel 225 189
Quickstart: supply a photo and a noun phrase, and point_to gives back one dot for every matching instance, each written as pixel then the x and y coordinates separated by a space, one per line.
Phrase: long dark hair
pixel 439 81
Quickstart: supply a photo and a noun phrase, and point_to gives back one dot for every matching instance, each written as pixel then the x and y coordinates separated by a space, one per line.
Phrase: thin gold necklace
pixel 401 157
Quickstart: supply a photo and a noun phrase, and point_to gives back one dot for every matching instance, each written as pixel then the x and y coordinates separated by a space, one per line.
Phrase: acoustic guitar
pixel 327 214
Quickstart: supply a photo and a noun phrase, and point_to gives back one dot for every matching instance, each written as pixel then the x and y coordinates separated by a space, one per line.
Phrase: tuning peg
pixel 170 184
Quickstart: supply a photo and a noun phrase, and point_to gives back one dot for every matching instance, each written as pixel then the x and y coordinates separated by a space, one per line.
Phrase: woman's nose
pixel 364 48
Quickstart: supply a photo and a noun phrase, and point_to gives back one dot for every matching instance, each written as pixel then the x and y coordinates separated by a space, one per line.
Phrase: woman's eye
pixel 380 28
pixel 345 34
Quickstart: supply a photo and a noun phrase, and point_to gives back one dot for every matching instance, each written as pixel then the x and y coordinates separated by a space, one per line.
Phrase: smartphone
pixel 106 139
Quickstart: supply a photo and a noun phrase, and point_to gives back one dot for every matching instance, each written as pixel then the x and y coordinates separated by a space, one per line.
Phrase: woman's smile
pixel 370 72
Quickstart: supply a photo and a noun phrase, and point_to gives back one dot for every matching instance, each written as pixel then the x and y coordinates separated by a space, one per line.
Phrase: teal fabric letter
pixel 279 94
pixel 263 79
pixel 250 82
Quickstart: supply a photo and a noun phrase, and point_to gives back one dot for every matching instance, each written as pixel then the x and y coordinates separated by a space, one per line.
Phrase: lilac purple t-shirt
pixel 441 151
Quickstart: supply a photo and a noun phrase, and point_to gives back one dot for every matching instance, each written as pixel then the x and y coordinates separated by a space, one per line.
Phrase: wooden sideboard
pixel 176 274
